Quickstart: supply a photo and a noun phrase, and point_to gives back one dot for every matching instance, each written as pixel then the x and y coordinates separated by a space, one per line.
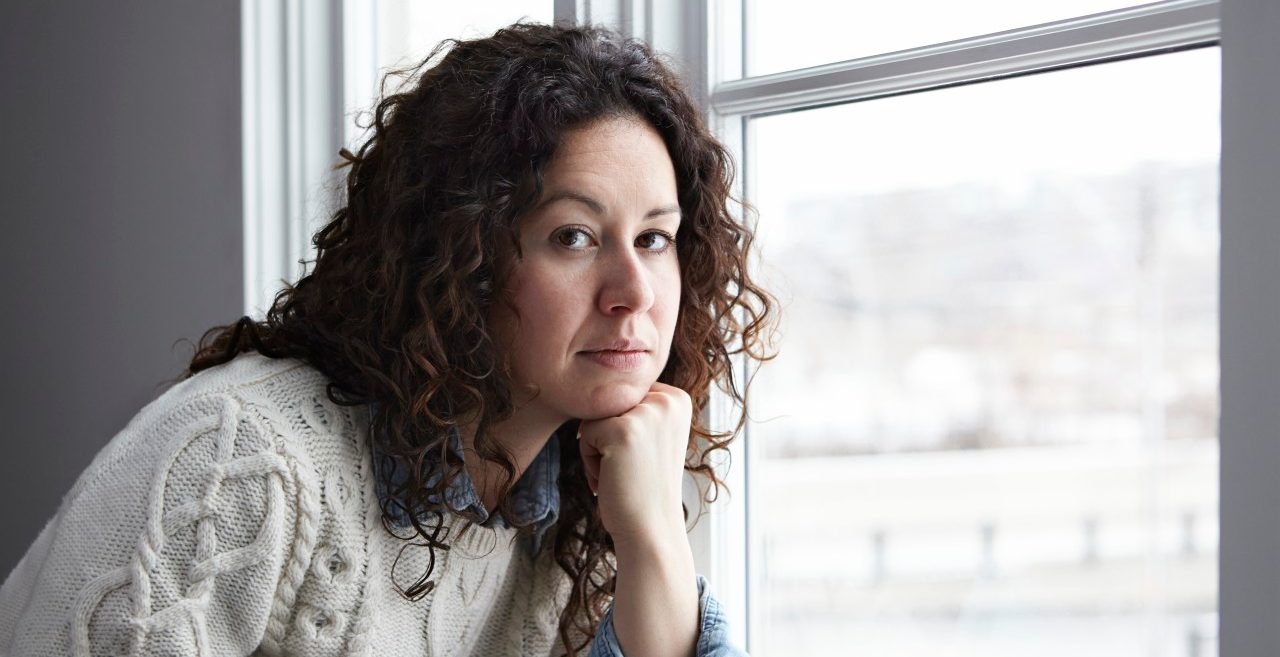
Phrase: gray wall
pixel 1249 582
pixel 120 196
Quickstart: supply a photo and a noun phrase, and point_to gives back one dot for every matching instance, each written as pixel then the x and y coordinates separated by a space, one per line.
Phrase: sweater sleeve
pixel 188 535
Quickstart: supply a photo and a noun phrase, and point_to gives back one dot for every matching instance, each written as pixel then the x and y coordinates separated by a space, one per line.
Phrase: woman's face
pixel 599 267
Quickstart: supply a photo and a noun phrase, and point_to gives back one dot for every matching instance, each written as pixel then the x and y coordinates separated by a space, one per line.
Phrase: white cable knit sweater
pixel 236 514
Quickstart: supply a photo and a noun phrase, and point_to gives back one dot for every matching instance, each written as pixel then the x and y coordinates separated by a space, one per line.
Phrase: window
pixel 783 36
pixel 757 104
pixel 992 426
pixel 311 74
pixel 392 34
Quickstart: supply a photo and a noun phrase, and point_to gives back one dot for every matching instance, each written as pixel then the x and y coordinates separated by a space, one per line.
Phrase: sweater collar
pixel 535 497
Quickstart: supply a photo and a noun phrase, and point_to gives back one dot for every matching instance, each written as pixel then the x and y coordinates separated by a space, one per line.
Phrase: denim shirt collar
pixel 535 497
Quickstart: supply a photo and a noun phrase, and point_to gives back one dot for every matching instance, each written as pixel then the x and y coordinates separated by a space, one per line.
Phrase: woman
pixel 464 432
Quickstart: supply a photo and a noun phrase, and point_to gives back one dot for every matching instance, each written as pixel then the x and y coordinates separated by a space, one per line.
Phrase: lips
pixel 622 345
pixel 622 354
pixel 624 361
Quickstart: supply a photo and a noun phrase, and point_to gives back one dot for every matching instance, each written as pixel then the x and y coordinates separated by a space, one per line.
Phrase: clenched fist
pixel 635 464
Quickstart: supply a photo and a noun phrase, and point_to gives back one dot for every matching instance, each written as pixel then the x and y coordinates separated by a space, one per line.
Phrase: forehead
pixel 612 160
pixel 615 142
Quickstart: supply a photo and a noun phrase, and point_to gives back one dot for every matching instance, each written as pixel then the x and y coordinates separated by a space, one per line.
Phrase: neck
pixel 523 435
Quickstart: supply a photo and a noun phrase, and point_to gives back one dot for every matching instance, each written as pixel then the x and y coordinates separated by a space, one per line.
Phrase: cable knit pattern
pixel 237 514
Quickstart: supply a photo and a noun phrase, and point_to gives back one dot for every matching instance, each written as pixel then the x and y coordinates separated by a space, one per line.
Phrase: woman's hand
pixel 635 464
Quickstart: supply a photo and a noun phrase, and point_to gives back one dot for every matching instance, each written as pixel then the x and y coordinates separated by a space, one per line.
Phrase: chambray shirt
pixel 536 500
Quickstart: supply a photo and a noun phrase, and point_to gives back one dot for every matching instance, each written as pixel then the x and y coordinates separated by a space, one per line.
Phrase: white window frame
pixel 1113 35
pixel 304 62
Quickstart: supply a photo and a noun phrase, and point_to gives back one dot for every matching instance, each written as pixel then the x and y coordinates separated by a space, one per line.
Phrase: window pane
pixel 408 29
pixel 398 34
pixel 992 426
pixel 782 36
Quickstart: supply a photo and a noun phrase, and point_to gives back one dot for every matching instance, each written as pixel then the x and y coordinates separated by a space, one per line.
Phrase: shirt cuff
pixel 713 630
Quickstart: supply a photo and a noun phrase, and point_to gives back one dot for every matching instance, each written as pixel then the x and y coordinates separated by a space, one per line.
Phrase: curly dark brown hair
pixel 396 310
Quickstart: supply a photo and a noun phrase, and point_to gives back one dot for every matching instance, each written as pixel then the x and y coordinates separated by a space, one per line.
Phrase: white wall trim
pixel 262 149
pixel 292 74
pixel 360 77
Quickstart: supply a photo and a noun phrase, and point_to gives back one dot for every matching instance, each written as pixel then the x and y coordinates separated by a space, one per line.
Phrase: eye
pixel 665 241
pixel 568 237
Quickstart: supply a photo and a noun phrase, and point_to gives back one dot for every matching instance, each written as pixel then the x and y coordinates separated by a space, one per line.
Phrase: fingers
pixel 669 396
pixel 663 407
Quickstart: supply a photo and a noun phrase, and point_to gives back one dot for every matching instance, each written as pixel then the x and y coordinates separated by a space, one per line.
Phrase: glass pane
pixel 782 36
pixel 396 34
pixel 408 29
pixel 992 427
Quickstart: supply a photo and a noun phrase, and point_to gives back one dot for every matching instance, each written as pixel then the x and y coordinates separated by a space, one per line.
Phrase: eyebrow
pixel 597 207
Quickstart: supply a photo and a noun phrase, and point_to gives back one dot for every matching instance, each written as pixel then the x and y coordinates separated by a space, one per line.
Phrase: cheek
pixel 548 308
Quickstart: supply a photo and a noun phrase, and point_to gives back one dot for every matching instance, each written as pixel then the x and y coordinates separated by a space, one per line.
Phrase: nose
pixel 626 287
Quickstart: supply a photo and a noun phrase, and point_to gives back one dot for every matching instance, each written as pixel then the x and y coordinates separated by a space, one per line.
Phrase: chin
pixel 613 399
